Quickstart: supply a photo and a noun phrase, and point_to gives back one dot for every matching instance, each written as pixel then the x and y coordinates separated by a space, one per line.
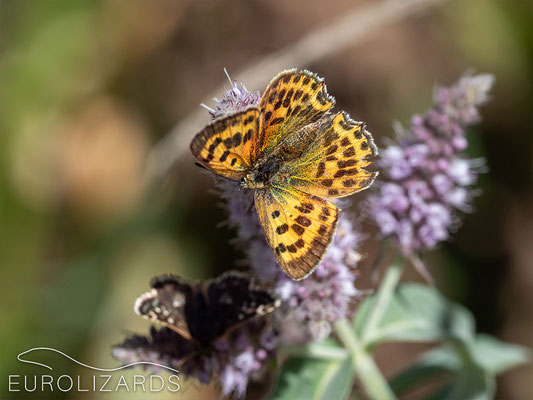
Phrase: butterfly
pixel 294 154
pixel 204 311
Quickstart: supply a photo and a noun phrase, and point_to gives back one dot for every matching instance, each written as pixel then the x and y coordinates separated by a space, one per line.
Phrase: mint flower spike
pixel 234 359
pixel 426 177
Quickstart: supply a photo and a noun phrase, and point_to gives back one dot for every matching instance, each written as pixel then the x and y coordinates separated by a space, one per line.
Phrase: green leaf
pixel 467 379
pixel 417 313
pixel 434 363
pixel 420 313
pixel 496 356
pixel 472 367
pixel 311 378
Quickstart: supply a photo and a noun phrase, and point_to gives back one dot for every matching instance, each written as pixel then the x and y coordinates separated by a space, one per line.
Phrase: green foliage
pixel 466 379
pixel 496 356
pixel 465 364
pixel 416 313
pixel 306 377
pixel 471 368
pixel 420 313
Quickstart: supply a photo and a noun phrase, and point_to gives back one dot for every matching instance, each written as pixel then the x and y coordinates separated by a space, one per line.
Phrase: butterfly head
pixel 250 181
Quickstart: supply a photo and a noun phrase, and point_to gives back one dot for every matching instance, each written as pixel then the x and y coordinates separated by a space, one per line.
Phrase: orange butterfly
pixel 293 153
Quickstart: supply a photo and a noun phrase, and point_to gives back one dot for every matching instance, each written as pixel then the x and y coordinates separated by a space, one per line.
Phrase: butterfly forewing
pixel 298 226
pixel 166 302
pixel 226 146
pixel 291 101
pixel 335 163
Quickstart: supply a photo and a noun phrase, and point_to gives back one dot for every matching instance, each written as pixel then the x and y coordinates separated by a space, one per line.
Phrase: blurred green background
pixel 87 87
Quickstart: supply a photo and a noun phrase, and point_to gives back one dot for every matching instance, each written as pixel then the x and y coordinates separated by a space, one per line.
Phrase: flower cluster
pixel 235 359
pixel 235 99
pixel 427 176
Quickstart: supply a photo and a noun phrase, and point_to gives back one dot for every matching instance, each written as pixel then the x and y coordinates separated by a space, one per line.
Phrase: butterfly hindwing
pixel 292 100
pixel 298 226
pixel 334 164
pixel 234 298
pixel 226 146
pixel 165 303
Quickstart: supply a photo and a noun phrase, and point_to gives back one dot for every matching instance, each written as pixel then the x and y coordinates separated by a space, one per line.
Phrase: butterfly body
pixel 264 174
pixel 203 325
pixel 294 154
pixel 275 168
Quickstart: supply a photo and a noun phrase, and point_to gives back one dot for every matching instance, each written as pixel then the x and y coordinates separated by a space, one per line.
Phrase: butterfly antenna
pixel 200 165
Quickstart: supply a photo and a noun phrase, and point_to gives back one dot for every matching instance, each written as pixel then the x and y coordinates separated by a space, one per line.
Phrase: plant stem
pixel 383 296
pixel 366 369
pixel 315 350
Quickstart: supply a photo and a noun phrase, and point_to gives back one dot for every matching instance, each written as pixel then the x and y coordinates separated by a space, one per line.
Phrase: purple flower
pixel 427 178
pixel 235 99
pixel 234 359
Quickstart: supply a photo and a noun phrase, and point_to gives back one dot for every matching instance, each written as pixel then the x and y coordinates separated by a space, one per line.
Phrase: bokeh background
pixel 89 87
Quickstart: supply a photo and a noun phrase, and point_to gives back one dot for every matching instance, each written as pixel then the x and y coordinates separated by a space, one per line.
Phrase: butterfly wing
pixel 234 298
pixel 298 226
pixel 335 163
pixel 226 146
pixel 292 100
pixel 165 303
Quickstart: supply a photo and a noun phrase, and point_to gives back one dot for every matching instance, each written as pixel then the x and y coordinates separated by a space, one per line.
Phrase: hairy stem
pixel 315 350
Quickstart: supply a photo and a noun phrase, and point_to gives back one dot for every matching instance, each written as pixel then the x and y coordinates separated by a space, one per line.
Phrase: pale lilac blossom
pixel 426 177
